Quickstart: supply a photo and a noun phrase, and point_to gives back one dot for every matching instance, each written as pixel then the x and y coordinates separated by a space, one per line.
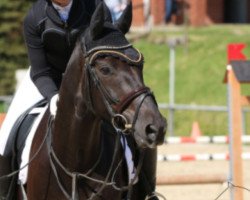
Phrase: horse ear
pixel 97 21
pixel 125 21
pixel 107 13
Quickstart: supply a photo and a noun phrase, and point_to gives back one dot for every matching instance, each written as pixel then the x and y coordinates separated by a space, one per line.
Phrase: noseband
pixel 115 106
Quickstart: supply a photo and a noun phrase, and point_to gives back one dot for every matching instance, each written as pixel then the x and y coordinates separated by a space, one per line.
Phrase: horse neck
pixel 76 132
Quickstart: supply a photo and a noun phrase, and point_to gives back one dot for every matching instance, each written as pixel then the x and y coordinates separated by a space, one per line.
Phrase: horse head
pixel 114 88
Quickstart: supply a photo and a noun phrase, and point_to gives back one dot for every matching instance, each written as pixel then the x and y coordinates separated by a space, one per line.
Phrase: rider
pixel 50 31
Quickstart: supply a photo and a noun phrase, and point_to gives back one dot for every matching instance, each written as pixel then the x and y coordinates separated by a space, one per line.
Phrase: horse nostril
pixel 152 137
pixel 151 129
pixel 151 132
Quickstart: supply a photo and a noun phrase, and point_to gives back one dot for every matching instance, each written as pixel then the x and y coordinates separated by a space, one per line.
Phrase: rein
pixel 76 175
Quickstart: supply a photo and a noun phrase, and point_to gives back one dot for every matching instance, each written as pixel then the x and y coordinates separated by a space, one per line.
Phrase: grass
pixel 2 108
pixel 200 68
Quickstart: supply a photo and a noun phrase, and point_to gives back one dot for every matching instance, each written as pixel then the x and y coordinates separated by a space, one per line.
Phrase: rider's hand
pixel 53 104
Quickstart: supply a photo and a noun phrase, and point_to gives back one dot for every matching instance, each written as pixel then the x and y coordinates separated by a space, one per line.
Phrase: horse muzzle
pixel 155 133
pixel 151 134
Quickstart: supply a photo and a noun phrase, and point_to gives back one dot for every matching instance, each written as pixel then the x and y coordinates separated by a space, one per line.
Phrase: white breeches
pixel 26 96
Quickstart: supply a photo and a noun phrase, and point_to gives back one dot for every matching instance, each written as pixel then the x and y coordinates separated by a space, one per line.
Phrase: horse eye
pixel 105 70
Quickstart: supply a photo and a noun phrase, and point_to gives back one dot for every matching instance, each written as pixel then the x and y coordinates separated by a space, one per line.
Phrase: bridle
pixel 115 108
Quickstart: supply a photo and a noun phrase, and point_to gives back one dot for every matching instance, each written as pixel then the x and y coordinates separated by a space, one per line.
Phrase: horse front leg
pixel 147 177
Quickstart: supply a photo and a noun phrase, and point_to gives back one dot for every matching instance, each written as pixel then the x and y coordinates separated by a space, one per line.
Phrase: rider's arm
pixel 40 69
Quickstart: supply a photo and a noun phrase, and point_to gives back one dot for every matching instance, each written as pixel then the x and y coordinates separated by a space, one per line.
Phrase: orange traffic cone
pixel 2 116
pixel 195 132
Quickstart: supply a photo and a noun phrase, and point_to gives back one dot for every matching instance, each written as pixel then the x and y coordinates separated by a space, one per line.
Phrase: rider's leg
pixel 5 163
pixel 26 96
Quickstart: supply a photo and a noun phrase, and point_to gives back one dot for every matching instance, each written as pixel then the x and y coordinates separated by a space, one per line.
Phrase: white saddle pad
pixel 26 151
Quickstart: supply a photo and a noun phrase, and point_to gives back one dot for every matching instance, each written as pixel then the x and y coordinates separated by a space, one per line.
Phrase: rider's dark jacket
pixel 50 41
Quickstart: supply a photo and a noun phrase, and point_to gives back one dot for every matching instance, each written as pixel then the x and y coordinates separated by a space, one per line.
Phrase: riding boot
pixel 5 168
pixel 148 175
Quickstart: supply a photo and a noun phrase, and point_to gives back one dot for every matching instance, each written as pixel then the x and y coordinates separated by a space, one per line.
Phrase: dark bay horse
pixel 104 109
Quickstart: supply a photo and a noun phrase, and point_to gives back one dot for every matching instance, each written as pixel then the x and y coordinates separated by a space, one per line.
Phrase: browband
pixel 135 60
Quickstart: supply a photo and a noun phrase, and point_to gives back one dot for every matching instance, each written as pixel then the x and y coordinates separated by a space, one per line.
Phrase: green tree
pixel 13 53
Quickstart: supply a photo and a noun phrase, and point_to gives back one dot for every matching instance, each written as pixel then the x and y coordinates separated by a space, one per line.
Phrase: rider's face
pixel 62 3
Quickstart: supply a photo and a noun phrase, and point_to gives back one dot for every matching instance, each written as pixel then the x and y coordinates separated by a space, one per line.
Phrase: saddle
pixel 16 142
pixel 21 129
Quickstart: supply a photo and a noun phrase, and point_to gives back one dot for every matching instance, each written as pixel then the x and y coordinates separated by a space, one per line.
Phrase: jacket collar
pixel 78 10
